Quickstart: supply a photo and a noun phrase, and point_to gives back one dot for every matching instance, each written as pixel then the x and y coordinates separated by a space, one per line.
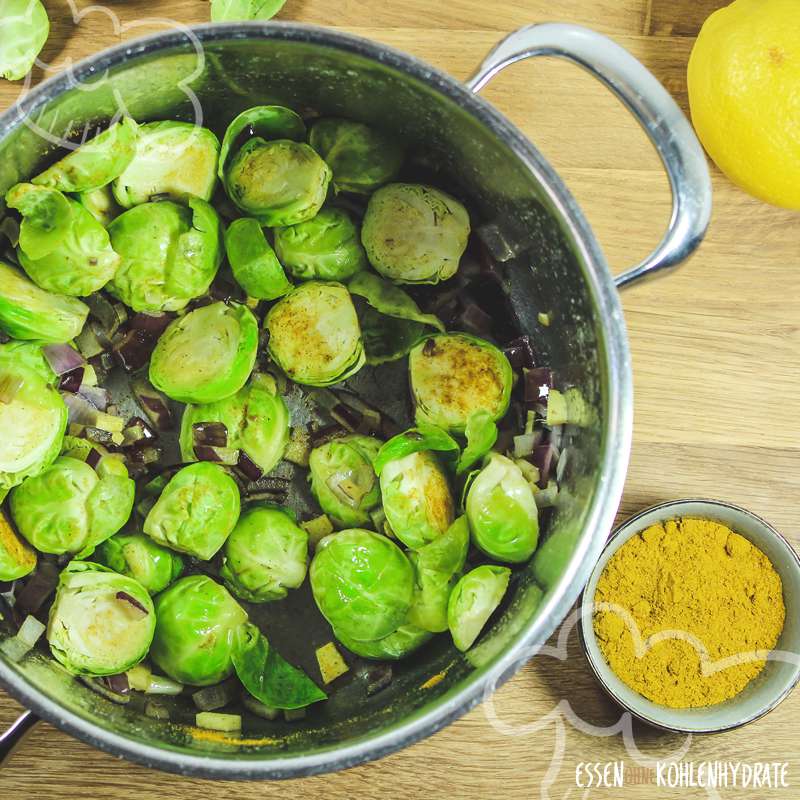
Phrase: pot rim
pixel 616 436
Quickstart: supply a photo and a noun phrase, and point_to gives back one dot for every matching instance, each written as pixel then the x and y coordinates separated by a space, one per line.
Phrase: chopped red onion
pixel 519 352
pixel 327 434
pixel 155 323
pixel 219 455
pixel 117 683
pixel 473 319
pixel 93 457
pixel 538 382
pixel 132 601
pixel 137 431
pixel 82 412
pixel 102 309
pixel 154 404
pixel 346 416
pixel 97 685
pixel 213 434
pixel 62 358
pixel 144 455
pixel 248 467
pixel 71 381
pixel 543 458
pixel 38 587
pixel 96 395
pixel 135 349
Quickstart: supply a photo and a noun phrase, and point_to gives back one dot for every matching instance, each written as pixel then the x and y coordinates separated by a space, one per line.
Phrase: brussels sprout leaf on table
pixel 242 10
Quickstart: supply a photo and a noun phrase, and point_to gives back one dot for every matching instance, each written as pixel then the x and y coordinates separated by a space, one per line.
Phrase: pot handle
pixel 12 738
pixel 655 110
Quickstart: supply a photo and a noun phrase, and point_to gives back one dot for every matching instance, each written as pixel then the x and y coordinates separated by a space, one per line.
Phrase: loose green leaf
pixel 269 677
pixel 241 10
pixel 481 433
pixel 415 440
pixel 46 218
pixel 25 29
pixel 253 261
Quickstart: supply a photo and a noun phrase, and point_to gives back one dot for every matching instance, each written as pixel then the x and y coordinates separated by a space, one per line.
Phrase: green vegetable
pixel 417 500
pixel 197 621
pixel 269 677
pixel 398 644
pixel 415 234
pixel 173 159
pixel 453 375
pixel 391 322
pixel 100 203
pixel 253 261
pixel 139 557
pixel 207 354
pixel 314 334
pixel 16 559
pixel 170 254
pixel 415 440
pixel 70 507
pixel 362 159
pixel 327 247
pixel 502 511
pixel 256 418
pixel 101 623
pixel 362 583
pixel 265 555
pixel 28 312
pixel 473 600
pixel 46 218
pixel 481 433
pixel 343 480
pixel 25 30
pixel 236 10
pixel 196 512
pixel 95 163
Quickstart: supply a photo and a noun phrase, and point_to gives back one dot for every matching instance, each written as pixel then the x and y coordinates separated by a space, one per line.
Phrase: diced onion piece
pixel 557 409
pixel 96 395
pixel 160 684
pixel 227 723
pixel 219 455
pixel 214 434
pixel 97 685
pixel 88 343
pixel 530 472
pixel 331 663
pixel 258 708
pixel 317 529
pixel 543 459
pixel 155 323
pixel 14 649
pixel 139 677
pixel 524 445
pixel 210 698
pixel 156 710
pixel 31 630
pixel 299 448
pixel 538 384
pixel 547 497
pixel 71 381
pixel 519 353
pixel 62 358
pixel 249 468
pixel 154 404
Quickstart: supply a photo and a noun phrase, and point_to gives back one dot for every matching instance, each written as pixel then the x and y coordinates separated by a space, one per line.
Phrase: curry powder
pixel 688 585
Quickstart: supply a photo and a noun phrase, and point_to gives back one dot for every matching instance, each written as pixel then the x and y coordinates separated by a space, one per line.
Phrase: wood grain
pixel 715 351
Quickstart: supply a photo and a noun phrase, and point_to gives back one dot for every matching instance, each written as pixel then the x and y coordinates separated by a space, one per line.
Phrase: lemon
pixel 744 93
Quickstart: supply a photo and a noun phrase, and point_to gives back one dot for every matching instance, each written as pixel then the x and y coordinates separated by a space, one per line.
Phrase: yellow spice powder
pixel 698 578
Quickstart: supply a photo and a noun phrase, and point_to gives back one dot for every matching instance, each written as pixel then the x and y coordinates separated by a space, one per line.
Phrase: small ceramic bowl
pixel 765 691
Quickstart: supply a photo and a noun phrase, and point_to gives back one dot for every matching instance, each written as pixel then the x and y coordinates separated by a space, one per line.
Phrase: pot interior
pixel 453 144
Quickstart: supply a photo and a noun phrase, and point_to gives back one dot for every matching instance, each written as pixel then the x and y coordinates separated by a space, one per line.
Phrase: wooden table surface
pixel 715 351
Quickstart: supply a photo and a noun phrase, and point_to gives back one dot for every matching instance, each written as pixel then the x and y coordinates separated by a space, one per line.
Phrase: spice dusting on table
pixel 702 583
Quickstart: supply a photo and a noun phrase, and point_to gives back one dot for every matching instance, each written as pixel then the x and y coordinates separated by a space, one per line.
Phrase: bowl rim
pixel 625 531
pixel 613 353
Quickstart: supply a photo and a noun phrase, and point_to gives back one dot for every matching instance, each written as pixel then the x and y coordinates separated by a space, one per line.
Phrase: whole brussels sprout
pixel 170 254
pixel 343 480
pixel 398 644
pixel 197 620
pixel 327 247
pixel 281 182
pixel 174 159
pixel 265 555
pixel 83 263
pixel 253 262
pixel 362 583
pixel 473 600
pixel 453 375
pixel 417 500
pixel 70 507
pixel 139 557
pixel 207 354
pixel 101 623
pixel 415 234
pixel 16 559
pixel 28 312
pixel 502 511
pixel 437 567
pixel 33 419
pixel 314 336
pixel 362 159
pixel 96 162
pixel 196 511
pixel 256 418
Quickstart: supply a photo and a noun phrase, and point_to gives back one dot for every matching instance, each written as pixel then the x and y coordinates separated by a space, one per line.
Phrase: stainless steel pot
pixel 552 263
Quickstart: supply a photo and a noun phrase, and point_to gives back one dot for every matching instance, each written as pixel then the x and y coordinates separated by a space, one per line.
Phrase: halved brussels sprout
pixel 417 500
pixel 139 557
pixel 502 511
pixel 437 567
pixel 473 600
pixel 256 418
pixel 196 511
pixel 314 336
pixel 343 480
pixel 253 261
pixel 265 555
pixel 415 234
pixel 70 507
pixel 33 419
pixel 82 263
pixel 100 203
pixel 391 322
pixel 362 583
pixel 28 312
pixel 207 354
pixel 362 159
pixel 25 31
pixel 174 159
pixel 16 559
pixel 197 620
pixel 96 162
pixel 398 644
pixel 101 623
pixel 281 182
pixel 170 254
pixel 327 247
pixel 453 375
